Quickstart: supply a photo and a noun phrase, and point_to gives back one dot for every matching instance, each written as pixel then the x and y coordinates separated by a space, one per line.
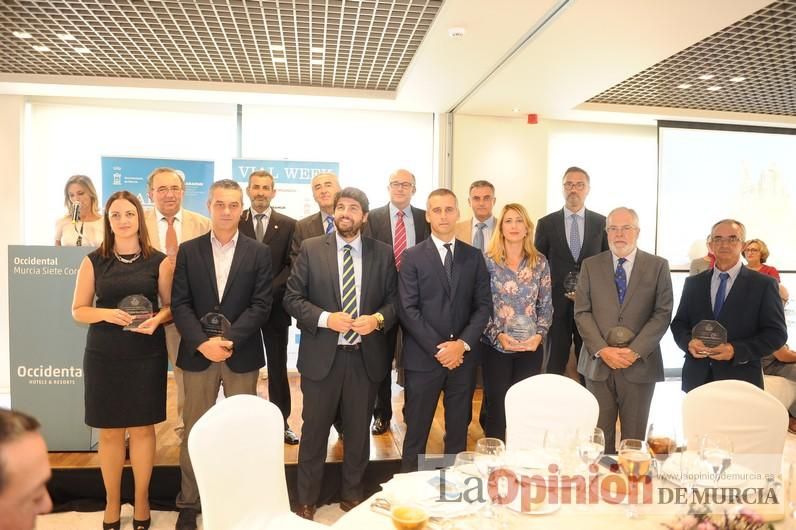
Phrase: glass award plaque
pixel 215 325
pixel 137 306
pixel 619 337
pixel 571 283
pixel 710 332
pixel 520 327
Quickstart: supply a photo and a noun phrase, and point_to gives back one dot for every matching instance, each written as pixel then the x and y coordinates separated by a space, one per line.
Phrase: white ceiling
pixel 588 47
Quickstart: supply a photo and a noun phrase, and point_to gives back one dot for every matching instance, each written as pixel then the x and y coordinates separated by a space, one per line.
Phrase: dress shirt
pixel 356 256
pixel 222 260
pixel 628 265
pixel 163 225
pixel 266 217
pixel 440 244
pixel 489 229
pixel 715 280
pixel 581 222
pixel 409 223
pixel 324 223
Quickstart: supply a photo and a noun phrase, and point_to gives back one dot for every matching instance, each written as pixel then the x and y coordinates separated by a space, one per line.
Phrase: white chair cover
pixel 783 389
pixel 237 452
pixel 547 402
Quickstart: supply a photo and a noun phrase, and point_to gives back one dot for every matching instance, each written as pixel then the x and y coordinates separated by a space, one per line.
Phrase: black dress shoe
pixel 186 520
pixel 290 437
pixel 380 426
pixel 306 511
pixel 349 505
pixel 112 526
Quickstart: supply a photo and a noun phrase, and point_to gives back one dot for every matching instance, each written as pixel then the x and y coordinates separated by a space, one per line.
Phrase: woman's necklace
pixel 127 260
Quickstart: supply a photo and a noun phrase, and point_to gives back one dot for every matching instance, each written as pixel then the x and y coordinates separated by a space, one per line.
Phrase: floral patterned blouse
pixel 526 291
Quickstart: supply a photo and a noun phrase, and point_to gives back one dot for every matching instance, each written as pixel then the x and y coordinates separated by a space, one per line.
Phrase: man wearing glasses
pixel 168 225
pixel 746 303
pixel 400 225
pixel 566 238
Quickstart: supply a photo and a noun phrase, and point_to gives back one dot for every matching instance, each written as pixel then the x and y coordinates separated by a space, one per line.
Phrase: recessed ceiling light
pixel 705 77
pixel 277 48
pixel 515 109
pixel 316 62
pixel 279 59
pixel 81 49
pixel 737 79
pixel 66 36
pixel 714 88
pixel 22 35
pixel 40 48
pixel 456 32
pixel 684 85
pixel 317 49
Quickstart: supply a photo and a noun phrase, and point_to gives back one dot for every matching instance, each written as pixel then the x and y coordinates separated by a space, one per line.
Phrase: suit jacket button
pixel 217 308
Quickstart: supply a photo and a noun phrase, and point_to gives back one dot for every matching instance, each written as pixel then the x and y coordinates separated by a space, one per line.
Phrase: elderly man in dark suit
pixel 266 225
pixel 625 289
pixel 445 302
pixel 745 302
pixel 218 274
pixel 341 291
pixel 324 188
pixel 402 226
pixel 566 238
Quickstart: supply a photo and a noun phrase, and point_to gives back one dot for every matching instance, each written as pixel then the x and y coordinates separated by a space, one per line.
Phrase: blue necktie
pixel 721 294
pixel 621 280
pixel 574 238
pixel 329 224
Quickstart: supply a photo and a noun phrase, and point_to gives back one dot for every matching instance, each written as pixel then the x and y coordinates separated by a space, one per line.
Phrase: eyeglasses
pixel 401 185
pixel 575 185
pixel 616 229
pixel 719 240
pixel 163 190
pixel 752 250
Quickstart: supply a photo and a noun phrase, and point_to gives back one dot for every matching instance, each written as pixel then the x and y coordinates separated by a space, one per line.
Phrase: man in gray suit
pixel 623 306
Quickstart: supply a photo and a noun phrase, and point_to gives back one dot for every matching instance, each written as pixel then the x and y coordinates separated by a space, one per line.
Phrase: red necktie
pixel 399 243
pixel 171 240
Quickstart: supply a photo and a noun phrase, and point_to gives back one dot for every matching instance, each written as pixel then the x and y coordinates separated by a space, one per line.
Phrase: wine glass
pixel 716 451
pixel 560 445
pixel 464 463
pixel 488 457
pixel 690 464
pixel 634 461
pixel 591 447
pixel 661 437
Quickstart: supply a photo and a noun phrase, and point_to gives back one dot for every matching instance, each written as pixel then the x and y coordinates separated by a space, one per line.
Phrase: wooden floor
pixel 383 447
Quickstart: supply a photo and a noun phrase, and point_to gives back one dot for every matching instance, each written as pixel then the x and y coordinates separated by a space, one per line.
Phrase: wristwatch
pixel 379 321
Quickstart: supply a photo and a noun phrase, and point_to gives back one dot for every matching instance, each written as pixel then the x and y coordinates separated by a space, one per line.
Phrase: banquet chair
pixel 237 452
pixel 753 420
pixel 547 402
pixel 783 389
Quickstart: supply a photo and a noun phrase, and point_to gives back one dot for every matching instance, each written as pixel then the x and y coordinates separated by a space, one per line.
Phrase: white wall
pixel 11 135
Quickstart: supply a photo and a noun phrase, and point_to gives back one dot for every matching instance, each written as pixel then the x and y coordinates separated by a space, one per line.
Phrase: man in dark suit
pixel 263 223
pixel 324 188
pixel 745 302
pixel 218 273
pixel 566 238
pixel 631 289
pixel 341 291
pixel 445 302
pixel 402 226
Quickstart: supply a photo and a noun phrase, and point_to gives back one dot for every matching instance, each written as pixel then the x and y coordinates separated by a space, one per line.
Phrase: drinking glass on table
pixel 634 461
pixel 488 458
pixel 716 453
pixel 591 447
pixel 690 465
pixel 464 463
pixel 662 439
pixel 408 517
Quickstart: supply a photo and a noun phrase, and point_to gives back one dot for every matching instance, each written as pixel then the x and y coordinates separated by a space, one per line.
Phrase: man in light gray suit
pixel 623 305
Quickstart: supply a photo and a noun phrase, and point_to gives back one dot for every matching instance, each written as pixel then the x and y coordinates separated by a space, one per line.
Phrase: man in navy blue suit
pixel 745 302
pixel 445 303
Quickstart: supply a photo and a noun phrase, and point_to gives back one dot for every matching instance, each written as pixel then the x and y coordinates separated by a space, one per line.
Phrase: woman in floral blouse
pixel 520 278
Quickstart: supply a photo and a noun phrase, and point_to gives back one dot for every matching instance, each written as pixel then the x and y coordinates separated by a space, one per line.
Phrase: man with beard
pixel 341 292
pixel 274 229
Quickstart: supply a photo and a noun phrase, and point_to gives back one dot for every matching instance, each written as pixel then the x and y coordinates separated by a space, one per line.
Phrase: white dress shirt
pixel 409 224
pixel 581 222
pixel 222 260
pixel 715 280
pixel 356 256
pixel 266 217
pixel 163 225
pixel 627 265
pixel 440 244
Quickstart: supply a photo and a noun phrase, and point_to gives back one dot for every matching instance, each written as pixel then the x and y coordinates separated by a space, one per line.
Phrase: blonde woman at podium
pixel 82 226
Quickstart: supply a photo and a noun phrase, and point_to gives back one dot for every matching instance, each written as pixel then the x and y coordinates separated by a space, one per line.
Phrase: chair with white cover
pixel 543 402
pixel 237 452
pixel 753 420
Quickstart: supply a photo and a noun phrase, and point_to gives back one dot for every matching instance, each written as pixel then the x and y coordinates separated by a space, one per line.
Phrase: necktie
pixel 399 245
pixel 721 294
pixel 574 238
pixel 329 224
pixel 478 238
pixel 448 263
pixel 171 239
pixel 621 280
pixel 259 232
pixel 349 291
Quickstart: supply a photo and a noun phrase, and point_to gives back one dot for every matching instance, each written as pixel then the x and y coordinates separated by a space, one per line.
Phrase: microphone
pixel 75 212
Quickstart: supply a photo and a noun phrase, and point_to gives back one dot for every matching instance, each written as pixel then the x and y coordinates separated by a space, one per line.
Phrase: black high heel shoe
pixel 112 526
pixel 142 525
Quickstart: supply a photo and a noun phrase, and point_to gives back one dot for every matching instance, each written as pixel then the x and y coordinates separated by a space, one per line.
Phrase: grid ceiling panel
pixel 354 44
pixel 761 48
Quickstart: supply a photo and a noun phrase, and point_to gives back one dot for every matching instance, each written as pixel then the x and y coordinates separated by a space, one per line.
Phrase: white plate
pixel 734 476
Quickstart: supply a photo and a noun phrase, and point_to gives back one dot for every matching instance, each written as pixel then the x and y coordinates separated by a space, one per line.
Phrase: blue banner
pixel 130 173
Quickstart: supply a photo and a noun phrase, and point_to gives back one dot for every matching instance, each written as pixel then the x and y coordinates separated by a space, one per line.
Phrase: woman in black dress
pixel 124 369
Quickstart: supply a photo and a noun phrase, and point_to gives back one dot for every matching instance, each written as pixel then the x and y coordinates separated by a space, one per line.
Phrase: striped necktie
pixel 329 224
pixel 349 291
pixel 399 245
